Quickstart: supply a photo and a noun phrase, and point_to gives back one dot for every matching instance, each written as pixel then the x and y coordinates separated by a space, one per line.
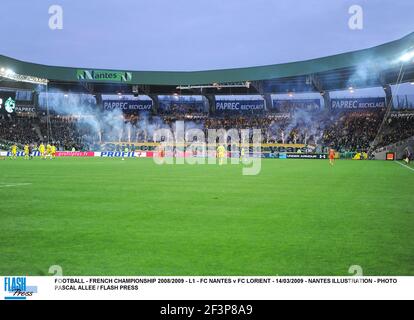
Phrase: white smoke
pixel 98 125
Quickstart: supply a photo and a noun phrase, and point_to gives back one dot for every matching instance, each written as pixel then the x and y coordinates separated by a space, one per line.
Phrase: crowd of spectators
pixel 21 130
pixel 65 133
pixel 183 110
pixel 347 131
pixel 398 126
pixel 353 131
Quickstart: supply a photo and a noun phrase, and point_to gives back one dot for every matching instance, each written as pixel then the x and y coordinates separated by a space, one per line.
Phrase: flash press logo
pixel 16 288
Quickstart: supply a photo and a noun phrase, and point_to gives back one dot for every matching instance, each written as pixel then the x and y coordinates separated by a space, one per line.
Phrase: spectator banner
pixel 128 105
pixel 7 102
pixel 294 104
pixel 357 103
pixel 240 106
pixel 169 107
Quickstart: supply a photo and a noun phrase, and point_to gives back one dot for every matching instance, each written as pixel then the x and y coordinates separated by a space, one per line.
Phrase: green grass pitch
pixel 297 217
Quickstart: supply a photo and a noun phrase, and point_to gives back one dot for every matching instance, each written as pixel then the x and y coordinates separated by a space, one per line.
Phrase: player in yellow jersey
pixel 53 151
pixel 14 152
pixel 42 150
pixel 26 152
pixel 221 153
pixel 49 151
pixel 242 153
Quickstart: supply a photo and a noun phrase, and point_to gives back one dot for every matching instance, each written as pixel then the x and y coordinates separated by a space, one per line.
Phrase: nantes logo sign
pixel 7 102
pixel 103 75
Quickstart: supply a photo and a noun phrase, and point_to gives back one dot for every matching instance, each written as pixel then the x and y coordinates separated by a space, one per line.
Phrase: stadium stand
pixel 66 106
pixel 346 132
pixel 354 131
pixel 399 126
pixel 19 129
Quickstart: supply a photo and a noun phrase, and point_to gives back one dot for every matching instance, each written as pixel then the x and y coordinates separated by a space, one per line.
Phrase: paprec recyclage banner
pixel 127 105
pixel 357 103
pixel 240 106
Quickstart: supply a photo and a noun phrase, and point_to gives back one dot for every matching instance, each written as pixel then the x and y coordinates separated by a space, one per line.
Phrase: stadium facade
pixel 328 73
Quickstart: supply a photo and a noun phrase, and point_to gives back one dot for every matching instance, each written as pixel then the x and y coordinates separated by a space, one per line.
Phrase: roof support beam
pixel 258 85
pixel 211 98
pixel 316 82
pixel 155 101
pixel 327 99
pixel 268 100
pixel 390 107
pixel 388 96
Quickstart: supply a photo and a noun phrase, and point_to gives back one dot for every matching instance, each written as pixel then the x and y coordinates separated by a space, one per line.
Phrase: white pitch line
pixel 402 164
pixel 14 185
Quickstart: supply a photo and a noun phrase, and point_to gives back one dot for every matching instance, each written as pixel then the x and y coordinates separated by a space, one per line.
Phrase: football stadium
pixel 278 170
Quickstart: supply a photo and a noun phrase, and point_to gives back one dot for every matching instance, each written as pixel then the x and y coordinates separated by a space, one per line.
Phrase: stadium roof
pixel 377 66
